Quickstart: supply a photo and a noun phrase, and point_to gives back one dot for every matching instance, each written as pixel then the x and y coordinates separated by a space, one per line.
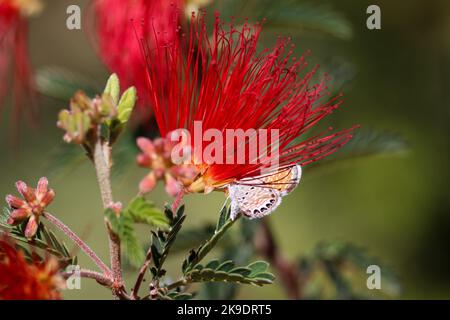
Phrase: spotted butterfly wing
pixel 253 201
pixel 284 180
pixel 259 196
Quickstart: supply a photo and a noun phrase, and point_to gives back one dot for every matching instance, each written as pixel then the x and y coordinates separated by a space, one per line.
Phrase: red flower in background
pixel 227 84
pixel 24 280
pixel 14 61
pixel 117 44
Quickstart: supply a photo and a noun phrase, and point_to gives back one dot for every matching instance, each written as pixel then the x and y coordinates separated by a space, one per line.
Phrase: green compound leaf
pixel 238 249
pixel 144 211
pixel 255 273
pixel 163 240
pixel 123 226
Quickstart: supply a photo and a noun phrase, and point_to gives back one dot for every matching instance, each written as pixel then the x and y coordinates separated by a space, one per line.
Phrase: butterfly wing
pixel 253 201
pixel 259 196
pixel 284 180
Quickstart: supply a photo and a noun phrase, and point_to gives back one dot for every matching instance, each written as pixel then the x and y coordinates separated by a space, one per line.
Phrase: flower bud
pixel 88 114
pixel 32 207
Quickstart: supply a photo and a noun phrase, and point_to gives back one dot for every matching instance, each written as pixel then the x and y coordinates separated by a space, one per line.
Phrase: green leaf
pixel 242 271
pixel 264 275
pixel 223 217
pixel 144 211
pixel 4 216
pixel 113 220
pixel 258 267
pixel 215 272
pixel 126 104
pixel 133 247
pixel 123 227
pixel 113 88
pixel 163 240
pixel 238 252
pixel 183 296
pixel 213 264
pixel 226 266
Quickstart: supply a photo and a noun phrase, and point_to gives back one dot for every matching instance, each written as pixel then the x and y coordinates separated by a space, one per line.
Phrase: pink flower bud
pixel 148 183
pixel 31 227
pixel 32 207
pixel 146 145
pixel 47 198
pixel 14 202
pixel 41 187
pixel 173 187
pixel 18 216
pixel 143 160
pixel 25 191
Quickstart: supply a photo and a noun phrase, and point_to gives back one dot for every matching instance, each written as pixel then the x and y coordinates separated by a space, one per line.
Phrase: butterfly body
pixel 259 196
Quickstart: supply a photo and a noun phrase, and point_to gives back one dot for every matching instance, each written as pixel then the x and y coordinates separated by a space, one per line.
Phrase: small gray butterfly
pixel 259 196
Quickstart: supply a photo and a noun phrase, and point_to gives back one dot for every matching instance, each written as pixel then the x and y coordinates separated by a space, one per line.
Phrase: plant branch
pixel 140 278
pixel 211 243
pixel 80 243
pixel 101 279
pixel 181 282
pixel 287 271
pixel 102 163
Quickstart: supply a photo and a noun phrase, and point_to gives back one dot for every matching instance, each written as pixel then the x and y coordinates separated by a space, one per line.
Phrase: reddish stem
pixel 100 278
pixel 140 278
pixel 80 243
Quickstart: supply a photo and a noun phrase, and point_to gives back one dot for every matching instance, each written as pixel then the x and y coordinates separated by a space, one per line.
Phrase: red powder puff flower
pixel 13 52
pixel 225 83
pixel 31 207
pixel 23 280
pixel 116 42
pixel 156 156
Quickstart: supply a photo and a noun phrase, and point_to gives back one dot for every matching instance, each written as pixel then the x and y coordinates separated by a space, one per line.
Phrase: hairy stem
pixel 102 162
pixel 101 279
pixel 80 243
pixel 140 278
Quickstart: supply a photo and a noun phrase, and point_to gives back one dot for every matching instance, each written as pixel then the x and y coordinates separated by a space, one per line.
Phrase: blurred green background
pixel 398 207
